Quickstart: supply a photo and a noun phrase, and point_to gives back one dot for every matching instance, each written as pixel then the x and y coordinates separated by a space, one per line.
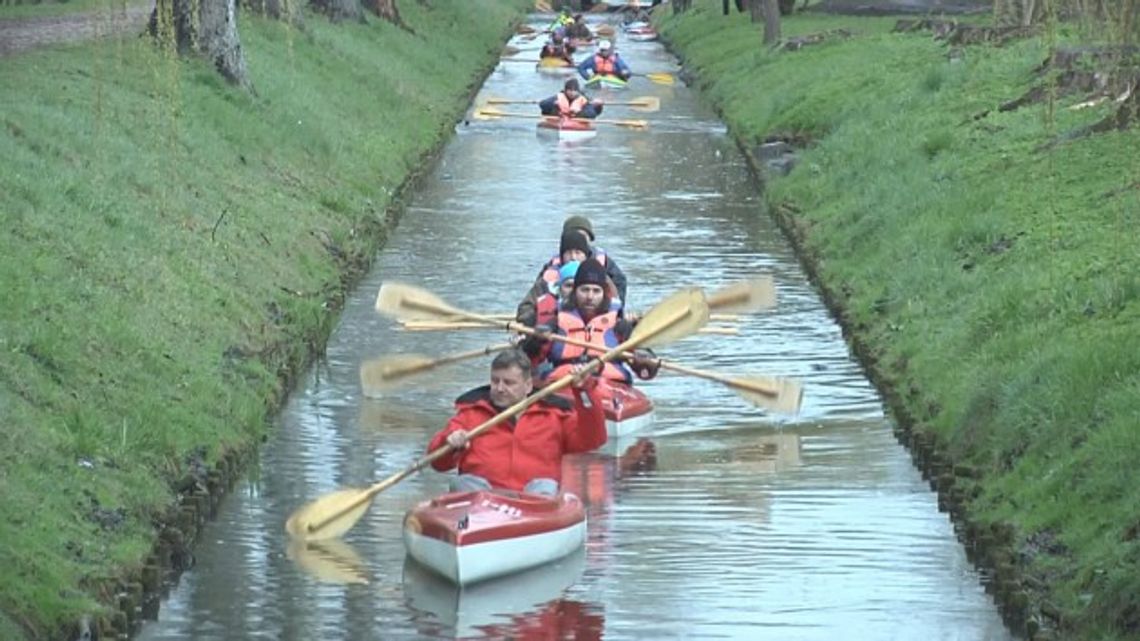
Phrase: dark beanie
pixel 579 222
pixel 573 240
pixel 590 272
pixel 572 84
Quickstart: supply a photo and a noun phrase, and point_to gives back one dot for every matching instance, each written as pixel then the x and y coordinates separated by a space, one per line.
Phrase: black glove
pixel 645 364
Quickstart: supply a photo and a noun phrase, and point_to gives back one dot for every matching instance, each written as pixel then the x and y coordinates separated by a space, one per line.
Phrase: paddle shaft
pixel 433 326
pixel 638 124
pixel 511 411
pixel 444 360
pixel 625 103
pixel 663 364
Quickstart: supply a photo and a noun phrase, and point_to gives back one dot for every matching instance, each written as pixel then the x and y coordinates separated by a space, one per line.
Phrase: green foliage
pixel 168 250
pixel 989 260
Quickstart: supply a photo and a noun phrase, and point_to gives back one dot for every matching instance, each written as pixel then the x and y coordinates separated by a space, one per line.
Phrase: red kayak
pixel 468 537
pixel 627 408
pixel 567 128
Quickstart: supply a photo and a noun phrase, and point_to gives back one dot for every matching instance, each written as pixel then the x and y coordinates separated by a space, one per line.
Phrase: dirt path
pixel 21 34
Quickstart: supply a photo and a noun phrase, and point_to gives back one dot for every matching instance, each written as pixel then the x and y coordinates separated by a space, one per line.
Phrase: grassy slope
pixel 999 283
pixel 136 327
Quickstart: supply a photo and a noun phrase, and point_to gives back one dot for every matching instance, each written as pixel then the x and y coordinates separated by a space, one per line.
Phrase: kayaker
pixel 582 226
pixel 563 21
pixel 571 103
pixel 558 47
pixel 605 62
pixel 589 318
pixel 525 453
pixel 578 29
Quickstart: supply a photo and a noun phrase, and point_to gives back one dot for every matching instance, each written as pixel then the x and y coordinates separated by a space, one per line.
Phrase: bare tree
pixel 338 10
pixel 768 12
pixel 388 10
pixel 208 27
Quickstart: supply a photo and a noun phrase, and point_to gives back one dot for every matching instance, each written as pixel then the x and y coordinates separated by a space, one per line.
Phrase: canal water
pixel 720 522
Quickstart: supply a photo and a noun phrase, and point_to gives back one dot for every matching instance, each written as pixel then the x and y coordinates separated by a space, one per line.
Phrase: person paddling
pixel 578 29
pixel 571 103
pixel 588 317
pixel 524 453
pixel 558 47
pixel 605 62
pixel 581 227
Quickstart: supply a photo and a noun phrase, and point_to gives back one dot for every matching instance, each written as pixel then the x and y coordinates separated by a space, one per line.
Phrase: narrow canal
pixel 722 523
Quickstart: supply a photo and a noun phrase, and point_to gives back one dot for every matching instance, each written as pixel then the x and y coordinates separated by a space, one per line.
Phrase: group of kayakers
pixel 578 294
pixel 571 102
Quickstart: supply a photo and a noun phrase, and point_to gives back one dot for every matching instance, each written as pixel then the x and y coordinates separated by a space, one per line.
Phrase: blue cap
pixel 568 271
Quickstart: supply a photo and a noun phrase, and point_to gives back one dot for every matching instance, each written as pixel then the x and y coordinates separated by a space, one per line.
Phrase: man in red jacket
pixel 524 453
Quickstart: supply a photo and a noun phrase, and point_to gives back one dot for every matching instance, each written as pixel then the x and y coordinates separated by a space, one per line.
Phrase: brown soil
pixel 22 34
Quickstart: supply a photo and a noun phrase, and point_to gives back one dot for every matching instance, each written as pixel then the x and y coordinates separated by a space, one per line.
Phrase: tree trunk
pixel 338 10
pixel 218 39
pixel 679 6
pixel 388 10
pixel 771 21
pixel 202 26
pixel 285 10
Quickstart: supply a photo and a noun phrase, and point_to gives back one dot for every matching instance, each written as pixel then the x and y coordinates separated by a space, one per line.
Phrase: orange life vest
pixel 568 108
pixel 605 66
pixel 599 332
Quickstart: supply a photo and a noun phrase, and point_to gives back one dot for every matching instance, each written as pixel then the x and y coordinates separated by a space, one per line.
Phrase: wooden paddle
pixel 488 113
pixel 647 104
pixel 774 394
pixel 334 514
pixel 752 295
pixel 443 326
pixel 383 373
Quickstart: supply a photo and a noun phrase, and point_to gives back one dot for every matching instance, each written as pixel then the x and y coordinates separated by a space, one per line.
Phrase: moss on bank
pixel 173 249
pixel 993 274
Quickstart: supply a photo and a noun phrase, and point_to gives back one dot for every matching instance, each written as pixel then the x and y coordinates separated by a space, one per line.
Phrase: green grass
pixel 170 245
pixel 997 277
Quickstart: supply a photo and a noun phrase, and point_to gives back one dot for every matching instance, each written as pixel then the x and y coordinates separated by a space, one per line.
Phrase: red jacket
pixel 512 453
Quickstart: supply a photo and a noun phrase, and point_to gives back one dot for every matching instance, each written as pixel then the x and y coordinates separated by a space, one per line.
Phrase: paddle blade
pixel 632 124
pixel 752 295
pixel 384 373
pixel 605 30
pixel 689 303
pixel 485 113
pixel 328 561
pixel 301 524
pixel 510 50
pixel 407 302
pixel 646 103
pixel 525 29
pixel 661 78
pixel 781 395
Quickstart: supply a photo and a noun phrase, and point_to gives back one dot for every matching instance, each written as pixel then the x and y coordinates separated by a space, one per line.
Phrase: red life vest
pixel 599 331
pixel 605 66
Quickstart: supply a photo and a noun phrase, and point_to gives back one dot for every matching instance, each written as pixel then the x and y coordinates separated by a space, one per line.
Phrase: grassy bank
pixel 173 247
pixel 994 276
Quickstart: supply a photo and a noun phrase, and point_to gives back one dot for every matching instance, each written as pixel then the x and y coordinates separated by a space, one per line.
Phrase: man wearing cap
pixel 571 103
pixel 522 454
pixel 589 318
pixel 606 62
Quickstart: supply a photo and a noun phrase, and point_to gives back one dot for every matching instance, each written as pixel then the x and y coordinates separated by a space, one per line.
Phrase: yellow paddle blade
pixel 605 30
pixel 407 302
pixel 628 124
pixel 752 295
pixel 645 103
pixel 384 373
pixel 301 523
pixel 328 561
pixel 782 395
pixel 543 6
pixel 486 113
pixel 525 29
pixel 661 78
pixel 690 301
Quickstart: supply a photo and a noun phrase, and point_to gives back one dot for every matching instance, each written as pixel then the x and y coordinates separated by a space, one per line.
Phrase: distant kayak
pixel 554 66
pixel 612 82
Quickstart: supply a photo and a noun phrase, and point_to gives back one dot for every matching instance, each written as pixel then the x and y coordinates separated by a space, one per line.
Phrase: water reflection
pixel 521 606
